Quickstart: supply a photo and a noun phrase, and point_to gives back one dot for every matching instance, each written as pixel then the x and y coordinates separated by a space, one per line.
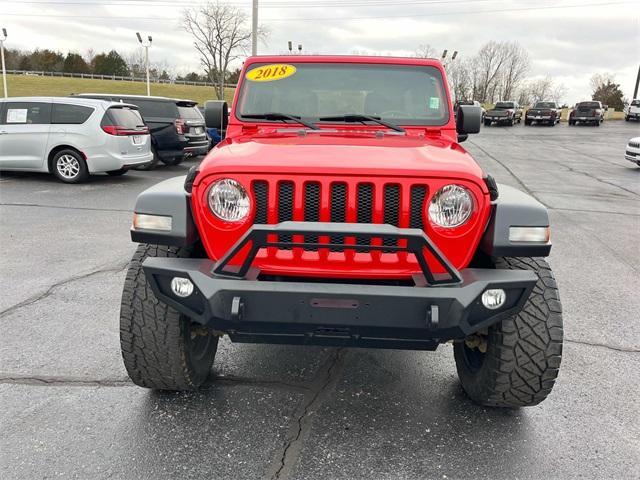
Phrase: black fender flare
pixel 170 199
pixel 514 208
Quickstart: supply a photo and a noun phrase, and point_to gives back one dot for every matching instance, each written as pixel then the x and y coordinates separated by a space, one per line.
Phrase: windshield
pixel 589 105
pixel 504 105
pixel 410 95
pixel 545 105
pixel 635 103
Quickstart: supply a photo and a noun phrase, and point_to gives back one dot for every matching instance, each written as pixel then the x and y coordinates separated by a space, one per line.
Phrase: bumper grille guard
pixel 257 237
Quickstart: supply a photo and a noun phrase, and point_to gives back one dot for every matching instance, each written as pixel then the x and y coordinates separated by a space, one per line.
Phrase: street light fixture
pixel 4 70
pixel 146 46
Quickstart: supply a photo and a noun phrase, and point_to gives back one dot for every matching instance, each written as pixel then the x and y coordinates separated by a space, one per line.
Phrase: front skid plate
pixel 328 313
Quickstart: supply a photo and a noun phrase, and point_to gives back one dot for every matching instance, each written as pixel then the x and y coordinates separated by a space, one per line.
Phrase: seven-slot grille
pixel 369 207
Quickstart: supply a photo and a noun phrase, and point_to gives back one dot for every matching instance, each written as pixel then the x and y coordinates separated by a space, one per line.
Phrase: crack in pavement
pixel 602 345
pixel 64 207
pixel 41 296
pixel 597 179
pixel 63 381
pixel 323 383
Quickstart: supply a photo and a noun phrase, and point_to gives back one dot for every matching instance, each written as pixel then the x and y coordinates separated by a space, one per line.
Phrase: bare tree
pixel 460 79
pixel 558 92
pixel 425 51
pixel 515 67
pixel 490 60
pixel 220 35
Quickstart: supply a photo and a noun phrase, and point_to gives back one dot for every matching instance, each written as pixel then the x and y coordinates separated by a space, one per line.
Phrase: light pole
pixel 4 70
pixel 254 29
pixel 146 58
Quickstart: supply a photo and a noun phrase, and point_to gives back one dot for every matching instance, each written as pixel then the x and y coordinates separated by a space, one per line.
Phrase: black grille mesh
pixel 418 193
pixel 311 209
pixel 391 211
pixel 261 194
pixel 364 210
pixel 338 204
pixel 285 207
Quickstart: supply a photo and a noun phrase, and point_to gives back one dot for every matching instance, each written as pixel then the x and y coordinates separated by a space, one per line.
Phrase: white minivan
pixel 71 137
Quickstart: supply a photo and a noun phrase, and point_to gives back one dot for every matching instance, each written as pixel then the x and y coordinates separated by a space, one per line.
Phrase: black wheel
pixel 117 173
pixel 515 362
pixel 153 163
pixel 571 122
pixel 487 123
pixel 161 348
pixel 69 167
pixel 511 122
pixel 172 161
pixel 626 118
pixel 527 122
pixel 598 122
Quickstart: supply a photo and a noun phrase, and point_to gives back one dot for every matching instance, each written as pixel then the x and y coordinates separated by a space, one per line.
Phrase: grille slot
pixel 285 208
pixel 364 210
pixel 391 212
pixel 261 195
pixel 311 209
pixel 418 192
pixel 338 210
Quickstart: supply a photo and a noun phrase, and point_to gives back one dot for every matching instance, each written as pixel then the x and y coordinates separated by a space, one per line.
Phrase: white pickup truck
pixel 632 111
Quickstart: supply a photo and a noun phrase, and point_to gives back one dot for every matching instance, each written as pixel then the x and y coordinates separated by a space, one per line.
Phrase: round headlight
pixel 229 201
pixel 451 206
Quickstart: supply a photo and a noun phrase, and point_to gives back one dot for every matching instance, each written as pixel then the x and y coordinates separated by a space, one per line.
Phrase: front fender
pixel 168 199
pixel 514 208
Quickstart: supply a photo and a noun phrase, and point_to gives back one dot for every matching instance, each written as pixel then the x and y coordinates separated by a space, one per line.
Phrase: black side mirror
pixel 468 121
pixel 216 115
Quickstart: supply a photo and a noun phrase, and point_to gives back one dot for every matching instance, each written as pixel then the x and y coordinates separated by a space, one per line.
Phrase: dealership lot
pixel 293 412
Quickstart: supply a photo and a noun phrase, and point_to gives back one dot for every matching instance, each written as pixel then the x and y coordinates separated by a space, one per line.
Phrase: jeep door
pixel 24 133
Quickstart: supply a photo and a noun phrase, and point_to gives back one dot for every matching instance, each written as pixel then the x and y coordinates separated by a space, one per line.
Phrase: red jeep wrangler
pixel 340 209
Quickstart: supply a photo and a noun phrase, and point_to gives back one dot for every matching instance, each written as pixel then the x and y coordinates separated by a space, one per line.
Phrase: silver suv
pixel 71 137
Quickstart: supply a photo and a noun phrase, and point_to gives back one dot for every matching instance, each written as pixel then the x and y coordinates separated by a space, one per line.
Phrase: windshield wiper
pixel 357 117
pixel 281 116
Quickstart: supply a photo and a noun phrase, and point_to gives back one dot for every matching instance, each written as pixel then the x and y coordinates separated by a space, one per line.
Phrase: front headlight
pixel 451 206
pixel 229 201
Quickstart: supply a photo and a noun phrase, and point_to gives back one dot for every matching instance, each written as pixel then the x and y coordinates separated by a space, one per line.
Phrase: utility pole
pixel 146 58
pixel 635 91
pixel 254 29
pixel 4 70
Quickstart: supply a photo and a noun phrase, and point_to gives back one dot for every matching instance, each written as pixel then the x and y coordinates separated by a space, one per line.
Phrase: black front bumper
pixel 315 312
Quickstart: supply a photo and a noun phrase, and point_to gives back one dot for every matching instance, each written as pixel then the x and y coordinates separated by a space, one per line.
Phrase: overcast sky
pixel 568 40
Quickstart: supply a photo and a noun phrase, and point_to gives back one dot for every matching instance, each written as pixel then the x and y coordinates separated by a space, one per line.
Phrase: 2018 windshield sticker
pixel 434 103
pixel 270 73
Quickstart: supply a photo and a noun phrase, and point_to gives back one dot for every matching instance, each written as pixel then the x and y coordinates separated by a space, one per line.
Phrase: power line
pixel 316 19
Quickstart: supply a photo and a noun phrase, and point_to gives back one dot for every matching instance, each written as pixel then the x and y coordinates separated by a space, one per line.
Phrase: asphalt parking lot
pixel 68 409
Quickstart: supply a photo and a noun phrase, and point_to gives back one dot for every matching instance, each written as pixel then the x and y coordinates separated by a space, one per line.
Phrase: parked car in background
pixel 543 112
pixel 591 112
pixel 504 113
pixel 633 151
pixel 632 111
pixel 72 137
pixel 177 126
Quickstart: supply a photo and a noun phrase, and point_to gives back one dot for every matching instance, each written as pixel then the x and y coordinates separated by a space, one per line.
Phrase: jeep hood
pixel 354 154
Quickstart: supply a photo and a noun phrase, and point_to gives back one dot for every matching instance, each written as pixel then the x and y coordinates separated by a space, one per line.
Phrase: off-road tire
pixel 158 342
pixel 523 352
